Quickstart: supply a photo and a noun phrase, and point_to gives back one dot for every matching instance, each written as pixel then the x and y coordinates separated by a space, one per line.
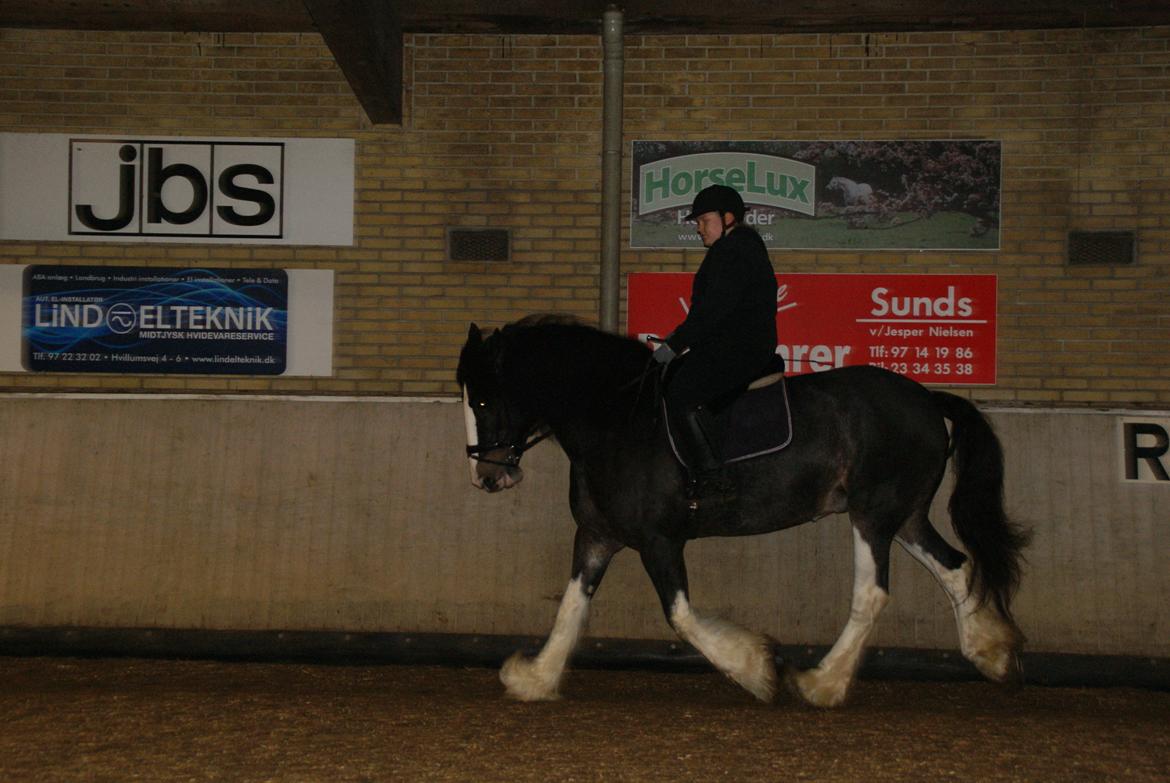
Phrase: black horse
pixel 867 442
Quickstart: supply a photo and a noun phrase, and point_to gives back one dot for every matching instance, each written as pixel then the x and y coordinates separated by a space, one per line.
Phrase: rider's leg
pixel 686 395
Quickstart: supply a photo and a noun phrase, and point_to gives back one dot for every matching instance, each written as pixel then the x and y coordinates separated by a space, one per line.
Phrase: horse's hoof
pixel 1000 665
pixel 524 680
pixel 1014 676
pixel 759 677
pixel 814 688
pixel 761 683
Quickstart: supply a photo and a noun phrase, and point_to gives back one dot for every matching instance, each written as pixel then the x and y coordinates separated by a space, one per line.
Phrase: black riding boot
pixel 706 479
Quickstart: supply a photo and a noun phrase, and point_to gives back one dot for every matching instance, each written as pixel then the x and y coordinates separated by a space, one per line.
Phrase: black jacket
pixel 732 319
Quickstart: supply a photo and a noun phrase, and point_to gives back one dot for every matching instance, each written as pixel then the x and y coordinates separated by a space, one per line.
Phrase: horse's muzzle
pixel 495 473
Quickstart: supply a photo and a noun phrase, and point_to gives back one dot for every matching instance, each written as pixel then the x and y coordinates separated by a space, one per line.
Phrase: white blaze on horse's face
pixel 490 473
pixel 472 437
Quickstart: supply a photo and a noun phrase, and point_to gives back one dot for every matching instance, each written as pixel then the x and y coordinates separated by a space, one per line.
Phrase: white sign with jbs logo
pixel 189 189
pixel 274 191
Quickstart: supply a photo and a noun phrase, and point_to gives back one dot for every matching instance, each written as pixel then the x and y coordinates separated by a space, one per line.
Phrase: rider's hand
pixel 664 354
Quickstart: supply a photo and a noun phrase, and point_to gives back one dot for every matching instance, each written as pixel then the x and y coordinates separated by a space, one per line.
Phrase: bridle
pixel 515 450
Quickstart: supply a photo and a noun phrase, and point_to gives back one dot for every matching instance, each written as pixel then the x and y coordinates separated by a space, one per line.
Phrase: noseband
pixel 515 450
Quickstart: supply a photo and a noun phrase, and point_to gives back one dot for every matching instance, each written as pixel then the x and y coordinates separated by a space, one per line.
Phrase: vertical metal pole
pixel 611 169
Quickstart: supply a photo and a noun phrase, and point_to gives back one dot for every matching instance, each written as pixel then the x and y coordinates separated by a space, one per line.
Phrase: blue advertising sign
pixel 150 320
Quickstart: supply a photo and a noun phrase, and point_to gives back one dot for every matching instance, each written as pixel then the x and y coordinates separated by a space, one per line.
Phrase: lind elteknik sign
pixel 159 189
pixel 152 320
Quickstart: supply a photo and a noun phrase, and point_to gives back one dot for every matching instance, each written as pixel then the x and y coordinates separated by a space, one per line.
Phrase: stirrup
pixel 711 488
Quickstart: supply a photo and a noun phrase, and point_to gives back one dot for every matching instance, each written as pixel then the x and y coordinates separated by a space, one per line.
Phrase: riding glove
pixel 664 354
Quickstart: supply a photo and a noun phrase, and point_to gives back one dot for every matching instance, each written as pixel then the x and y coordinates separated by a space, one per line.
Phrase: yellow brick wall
pixel 504 131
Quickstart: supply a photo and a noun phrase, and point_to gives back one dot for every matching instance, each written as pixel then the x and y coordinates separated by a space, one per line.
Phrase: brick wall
pixel 504 131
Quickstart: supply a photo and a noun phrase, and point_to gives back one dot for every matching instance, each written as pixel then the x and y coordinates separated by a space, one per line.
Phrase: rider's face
pixel 711 226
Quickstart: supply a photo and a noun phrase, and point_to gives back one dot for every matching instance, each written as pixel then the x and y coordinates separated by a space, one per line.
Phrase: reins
pixel 653 368
pixel 641 377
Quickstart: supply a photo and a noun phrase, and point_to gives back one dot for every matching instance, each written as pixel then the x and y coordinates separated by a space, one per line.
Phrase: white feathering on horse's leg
pixel 527 680
pixel 827 684
pixel 991 644
pixel 539 678
pixel 986 639
pixel 742 655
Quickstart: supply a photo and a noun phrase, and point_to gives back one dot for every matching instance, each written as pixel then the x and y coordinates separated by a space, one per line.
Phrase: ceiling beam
pixel 584 16
pixel 652 17
pixel 187 16
pixel 365 37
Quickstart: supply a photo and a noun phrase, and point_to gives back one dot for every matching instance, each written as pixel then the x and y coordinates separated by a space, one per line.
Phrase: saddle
pixel 753 424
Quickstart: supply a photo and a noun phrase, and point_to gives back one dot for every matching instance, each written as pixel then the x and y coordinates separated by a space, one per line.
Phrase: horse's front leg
pixel 539 678
pixel 742 655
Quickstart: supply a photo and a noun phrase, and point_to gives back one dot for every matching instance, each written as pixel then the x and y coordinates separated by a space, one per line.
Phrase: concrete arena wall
pixel 357 515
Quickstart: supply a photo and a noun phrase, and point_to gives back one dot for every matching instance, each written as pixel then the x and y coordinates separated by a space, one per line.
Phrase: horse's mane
pixel 545 319
pixel 564 368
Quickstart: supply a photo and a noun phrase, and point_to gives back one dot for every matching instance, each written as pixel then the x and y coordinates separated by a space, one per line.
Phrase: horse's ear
pixel 474 335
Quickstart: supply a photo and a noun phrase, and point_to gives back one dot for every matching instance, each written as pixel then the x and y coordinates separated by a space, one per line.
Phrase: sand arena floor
pixel 150 720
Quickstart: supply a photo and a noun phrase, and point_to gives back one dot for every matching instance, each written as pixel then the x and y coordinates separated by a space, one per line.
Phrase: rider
pixel 729 334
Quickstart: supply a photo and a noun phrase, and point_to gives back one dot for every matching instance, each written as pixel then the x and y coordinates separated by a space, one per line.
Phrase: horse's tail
pixel 993 541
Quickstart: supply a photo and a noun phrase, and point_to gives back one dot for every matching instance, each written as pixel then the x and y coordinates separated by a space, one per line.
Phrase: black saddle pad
pixel 755 423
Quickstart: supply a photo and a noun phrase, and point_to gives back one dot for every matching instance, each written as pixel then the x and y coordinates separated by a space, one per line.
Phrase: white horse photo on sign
pixel 853 193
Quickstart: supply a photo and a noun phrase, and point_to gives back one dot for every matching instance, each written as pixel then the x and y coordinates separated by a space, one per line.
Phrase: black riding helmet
pixel 718 198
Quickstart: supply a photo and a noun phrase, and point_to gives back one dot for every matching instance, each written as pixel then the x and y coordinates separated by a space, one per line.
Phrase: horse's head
pixel 498 430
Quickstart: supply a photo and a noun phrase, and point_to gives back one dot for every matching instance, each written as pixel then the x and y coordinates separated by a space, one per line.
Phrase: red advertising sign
pixel 932 328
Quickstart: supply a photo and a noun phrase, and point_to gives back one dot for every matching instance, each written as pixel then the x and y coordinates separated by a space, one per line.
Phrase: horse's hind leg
pixel 987 638
pixel 742 655
pixel 828 683
pixel 538 679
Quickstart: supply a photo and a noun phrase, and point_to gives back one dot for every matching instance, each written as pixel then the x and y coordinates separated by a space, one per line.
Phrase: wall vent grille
pixel 1095 248
pixel 472 244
